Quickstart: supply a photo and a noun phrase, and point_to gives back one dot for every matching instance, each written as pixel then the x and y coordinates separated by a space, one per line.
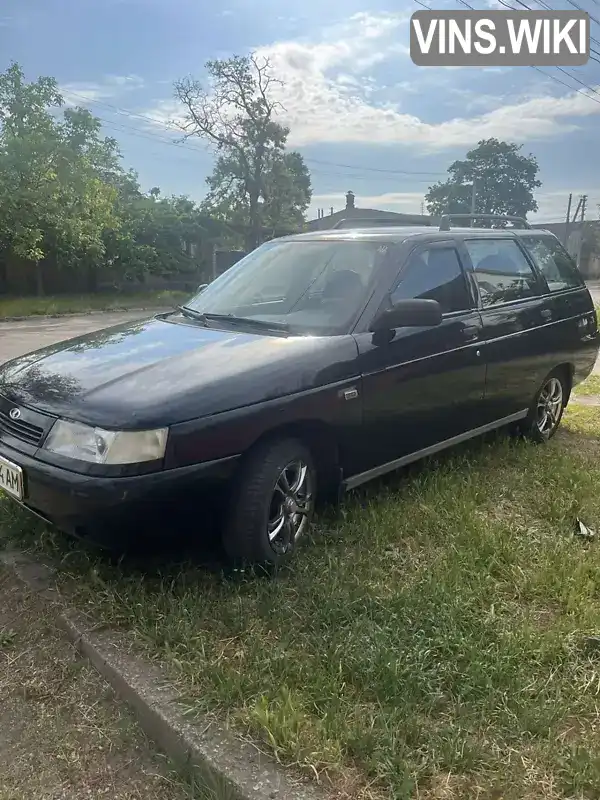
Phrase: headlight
pixel 84 443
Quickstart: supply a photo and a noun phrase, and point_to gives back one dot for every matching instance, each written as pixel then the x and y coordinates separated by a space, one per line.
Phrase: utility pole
pixel 568 222
pixel 473 199
pixel 214 261
pixel 583 205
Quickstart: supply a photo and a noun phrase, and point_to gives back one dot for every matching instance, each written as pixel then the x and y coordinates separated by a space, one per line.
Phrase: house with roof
pixel 368 216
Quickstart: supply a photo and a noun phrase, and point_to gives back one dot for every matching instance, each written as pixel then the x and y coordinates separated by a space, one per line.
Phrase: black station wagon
pixel 317 362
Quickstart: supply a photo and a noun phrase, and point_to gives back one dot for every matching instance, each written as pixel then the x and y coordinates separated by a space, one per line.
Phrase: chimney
pixel 350 200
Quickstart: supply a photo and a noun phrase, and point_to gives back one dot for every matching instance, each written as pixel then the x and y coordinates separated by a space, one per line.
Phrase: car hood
pixel 167 370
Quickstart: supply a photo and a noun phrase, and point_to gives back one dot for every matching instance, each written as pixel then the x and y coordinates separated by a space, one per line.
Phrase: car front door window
pixel 434 274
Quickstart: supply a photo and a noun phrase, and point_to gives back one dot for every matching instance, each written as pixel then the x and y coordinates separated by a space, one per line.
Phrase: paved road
pixel 17 338
pixel 594 287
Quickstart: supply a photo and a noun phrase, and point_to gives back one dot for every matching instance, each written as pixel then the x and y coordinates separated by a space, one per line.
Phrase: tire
pixel 272 503
pixel 547 409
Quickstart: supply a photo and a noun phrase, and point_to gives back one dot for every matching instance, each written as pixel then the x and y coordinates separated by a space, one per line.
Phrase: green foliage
pixel 257 186
pixel 152 232
pixel 52 193
pixel 65 198
pixel 504 179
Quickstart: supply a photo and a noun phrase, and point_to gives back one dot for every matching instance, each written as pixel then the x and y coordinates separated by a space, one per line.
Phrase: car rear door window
pixel 553 261
pixel 503 273
pixel 434 274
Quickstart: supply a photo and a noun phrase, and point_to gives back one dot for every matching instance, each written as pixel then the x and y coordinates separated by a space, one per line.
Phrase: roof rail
pixel 374 222
pixel 447 218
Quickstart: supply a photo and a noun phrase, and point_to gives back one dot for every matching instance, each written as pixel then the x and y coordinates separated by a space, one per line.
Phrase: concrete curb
pixel 229 768
pixel 153 309
pixel 585 399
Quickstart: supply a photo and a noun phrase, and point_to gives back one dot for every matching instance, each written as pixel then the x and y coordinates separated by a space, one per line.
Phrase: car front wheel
pixel 272 503
pixel 547 409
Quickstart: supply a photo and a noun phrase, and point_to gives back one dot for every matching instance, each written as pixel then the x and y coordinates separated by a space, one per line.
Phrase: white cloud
pixel 329 96
pixel 78 93
pixel 319 108
pixel 165 114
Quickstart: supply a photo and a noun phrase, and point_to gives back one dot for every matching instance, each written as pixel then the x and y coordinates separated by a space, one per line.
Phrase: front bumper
pixel 76 503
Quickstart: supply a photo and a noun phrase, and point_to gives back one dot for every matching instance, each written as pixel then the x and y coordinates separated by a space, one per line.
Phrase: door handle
pixel 471 332
pixel 546 313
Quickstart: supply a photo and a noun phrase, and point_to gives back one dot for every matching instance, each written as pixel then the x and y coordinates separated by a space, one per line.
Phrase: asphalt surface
pixel 18 338
pixel 594 287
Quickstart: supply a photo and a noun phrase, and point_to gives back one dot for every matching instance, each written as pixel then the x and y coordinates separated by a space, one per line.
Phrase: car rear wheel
pixel 547 409
pixel 272 503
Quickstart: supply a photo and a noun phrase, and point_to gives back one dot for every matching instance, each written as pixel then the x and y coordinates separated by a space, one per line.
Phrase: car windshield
pixel 307 287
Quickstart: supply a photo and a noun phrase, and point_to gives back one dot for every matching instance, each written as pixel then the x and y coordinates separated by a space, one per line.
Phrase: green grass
pixel 428 642
pixel 589 386
pixel 83 303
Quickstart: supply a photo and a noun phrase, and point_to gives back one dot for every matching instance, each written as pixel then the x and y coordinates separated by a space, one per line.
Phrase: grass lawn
pixel 433 640
pixel 589 387
pixel 82 303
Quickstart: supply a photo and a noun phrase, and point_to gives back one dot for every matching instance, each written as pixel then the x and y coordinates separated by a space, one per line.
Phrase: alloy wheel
pixel 549 406
pixel 291 506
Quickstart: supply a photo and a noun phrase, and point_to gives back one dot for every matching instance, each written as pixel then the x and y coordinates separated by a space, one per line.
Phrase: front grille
pixel 25 431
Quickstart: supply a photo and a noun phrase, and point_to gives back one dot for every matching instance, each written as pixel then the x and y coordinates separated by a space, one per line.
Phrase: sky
pixel 362 114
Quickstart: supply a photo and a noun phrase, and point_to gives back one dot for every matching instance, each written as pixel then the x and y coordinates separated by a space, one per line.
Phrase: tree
pixel 504 181
pixel 27 168
pixel 160 235
pixel 255 183
pixel 287 192
pixel 54 194
pixel 67 202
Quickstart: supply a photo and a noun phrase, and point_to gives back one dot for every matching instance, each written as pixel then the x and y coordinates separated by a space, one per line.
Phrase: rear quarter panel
pixel 569 342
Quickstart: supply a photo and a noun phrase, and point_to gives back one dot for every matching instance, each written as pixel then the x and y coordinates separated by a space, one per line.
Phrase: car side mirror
pixel 201 288
pixel 408 314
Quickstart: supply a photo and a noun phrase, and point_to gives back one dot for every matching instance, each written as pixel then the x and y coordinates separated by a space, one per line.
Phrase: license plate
pixel 11 478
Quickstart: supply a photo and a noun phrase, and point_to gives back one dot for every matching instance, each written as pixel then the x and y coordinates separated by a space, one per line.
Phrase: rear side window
pixel 434 274
pixel 502 271
pixel 553 261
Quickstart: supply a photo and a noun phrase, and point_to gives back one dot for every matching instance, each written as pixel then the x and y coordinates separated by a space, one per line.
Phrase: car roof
pixel 401 233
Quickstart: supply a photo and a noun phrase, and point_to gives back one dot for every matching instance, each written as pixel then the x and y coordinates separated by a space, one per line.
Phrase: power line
pixel 547 74
pixel 124 111
pixel 549 8
pixel 558 80
pixel 372 169
pixel 575 78
pixel 160 123
pixel 579 8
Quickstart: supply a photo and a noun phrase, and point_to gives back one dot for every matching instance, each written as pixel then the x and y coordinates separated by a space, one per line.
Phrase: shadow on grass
pixel 169 540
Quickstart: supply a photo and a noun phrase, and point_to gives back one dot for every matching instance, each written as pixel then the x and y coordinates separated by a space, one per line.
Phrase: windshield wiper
pixel 192 314
pixel 257 323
